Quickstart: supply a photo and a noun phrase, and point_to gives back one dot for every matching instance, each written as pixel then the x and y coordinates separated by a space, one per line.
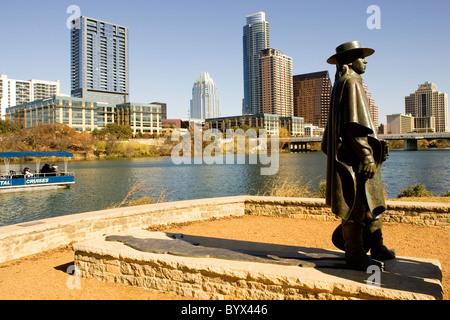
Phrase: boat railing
pixel 18 175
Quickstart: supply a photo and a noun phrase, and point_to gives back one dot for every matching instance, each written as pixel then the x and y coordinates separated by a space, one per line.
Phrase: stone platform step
pixel 232 275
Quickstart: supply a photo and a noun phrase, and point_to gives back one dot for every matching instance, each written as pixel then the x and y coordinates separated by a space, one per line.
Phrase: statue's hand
pixel 368 167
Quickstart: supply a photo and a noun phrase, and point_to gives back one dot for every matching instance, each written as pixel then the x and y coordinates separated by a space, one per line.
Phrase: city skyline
pixel 164 57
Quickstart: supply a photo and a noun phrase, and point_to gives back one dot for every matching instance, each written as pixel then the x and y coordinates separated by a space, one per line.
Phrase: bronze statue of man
pixel 354 158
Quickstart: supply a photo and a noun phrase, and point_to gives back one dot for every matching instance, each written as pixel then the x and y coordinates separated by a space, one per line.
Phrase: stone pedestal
pixel 217 278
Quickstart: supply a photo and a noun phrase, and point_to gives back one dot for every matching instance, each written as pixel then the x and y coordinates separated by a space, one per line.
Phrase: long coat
pixel 349 138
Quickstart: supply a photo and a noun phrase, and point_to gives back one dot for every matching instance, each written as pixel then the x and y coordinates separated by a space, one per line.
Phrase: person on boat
pixel 54 169
pixel 46 168
pixel 27 173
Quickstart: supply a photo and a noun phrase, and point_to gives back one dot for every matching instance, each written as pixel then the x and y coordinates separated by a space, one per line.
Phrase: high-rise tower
pixel 429 107
pixel 205 102
pixel 312 97
pixel 276 83
pixel 99 60
pixel 373 108
pixel 255 39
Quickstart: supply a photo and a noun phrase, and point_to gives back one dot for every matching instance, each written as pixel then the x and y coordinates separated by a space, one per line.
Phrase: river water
pixel 100 183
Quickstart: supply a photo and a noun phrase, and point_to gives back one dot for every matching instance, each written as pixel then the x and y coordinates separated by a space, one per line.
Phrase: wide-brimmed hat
pixel 348 50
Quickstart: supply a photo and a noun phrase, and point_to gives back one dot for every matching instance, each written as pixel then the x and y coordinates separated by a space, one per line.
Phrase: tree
pixel 119 131
pixel 283 133
pixel 63 136
pixel 38 137
pixel 111 144
pixel 86 142
pixel 50 136
pixel 13 142
pixel 7 126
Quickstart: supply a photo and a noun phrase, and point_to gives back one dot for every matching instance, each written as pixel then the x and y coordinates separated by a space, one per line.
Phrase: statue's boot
pixel 355 255
pixel 378 250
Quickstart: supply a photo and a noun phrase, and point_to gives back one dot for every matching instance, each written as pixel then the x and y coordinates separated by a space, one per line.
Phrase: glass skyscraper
pixel 255 39
pixel 205 102
pixel 99 60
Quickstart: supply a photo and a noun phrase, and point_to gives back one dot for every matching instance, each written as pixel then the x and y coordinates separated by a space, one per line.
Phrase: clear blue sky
pixel 172 41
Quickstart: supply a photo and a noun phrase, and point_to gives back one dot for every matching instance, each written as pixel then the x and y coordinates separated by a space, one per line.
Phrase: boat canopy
pixel 36 154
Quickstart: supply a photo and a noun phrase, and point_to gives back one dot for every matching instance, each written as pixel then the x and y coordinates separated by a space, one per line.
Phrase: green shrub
pixel 417 190
pixel 100 146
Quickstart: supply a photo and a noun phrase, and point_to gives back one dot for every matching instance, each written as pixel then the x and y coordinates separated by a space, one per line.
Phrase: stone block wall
pixel 210 278
pixel 304 208
pixel 195 281
pixel 418 213
pixel 29 238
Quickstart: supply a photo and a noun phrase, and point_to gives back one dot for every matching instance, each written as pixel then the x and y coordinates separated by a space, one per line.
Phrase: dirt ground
pixel 43 276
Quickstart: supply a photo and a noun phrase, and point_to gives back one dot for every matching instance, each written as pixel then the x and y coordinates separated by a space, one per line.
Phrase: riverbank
pixel 151 148
pixel 43 275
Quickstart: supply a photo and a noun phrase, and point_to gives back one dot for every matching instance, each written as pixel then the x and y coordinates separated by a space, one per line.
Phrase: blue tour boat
pixel 41 178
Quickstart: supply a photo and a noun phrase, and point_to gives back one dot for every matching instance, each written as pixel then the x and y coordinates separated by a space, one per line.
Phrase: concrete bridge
pixel 301 144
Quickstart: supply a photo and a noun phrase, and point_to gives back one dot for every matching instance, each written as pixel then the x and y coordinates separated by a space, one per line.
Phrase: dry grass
pixel 300 189
pixel 297 189
pixel 134 190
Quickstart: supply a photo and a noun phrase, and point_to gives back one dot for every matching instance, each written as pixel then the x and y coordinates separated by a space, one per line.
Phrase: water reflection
pixel 101 183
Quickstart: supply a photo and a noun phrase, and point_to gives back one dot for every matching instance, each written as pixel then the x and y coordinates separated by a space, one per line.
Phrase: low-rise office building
pixel 399 123
pixel 79 114
pixel 271 122
pixel 142 117
pixel 295 125
pixel 84 114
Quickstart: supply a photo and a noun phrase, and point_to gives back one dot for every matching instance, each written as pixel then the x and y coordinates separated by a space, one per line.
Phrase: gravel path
pixel 43 276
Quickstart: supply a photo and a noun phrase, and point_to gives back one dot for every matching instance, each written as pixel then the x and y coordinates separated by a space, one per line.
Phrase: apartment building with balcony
pixel 99 60
pixel 275 69
pixel 14 92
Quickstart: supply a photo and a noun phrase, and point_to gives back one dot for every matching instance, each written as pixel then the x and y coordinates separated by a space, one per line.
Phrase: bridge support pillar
pixel 410 145
pixel 298 147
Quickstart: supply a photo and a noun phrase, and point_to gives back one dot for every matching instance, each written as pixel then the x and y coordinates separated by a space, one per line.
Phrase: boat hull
pixel 33 183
